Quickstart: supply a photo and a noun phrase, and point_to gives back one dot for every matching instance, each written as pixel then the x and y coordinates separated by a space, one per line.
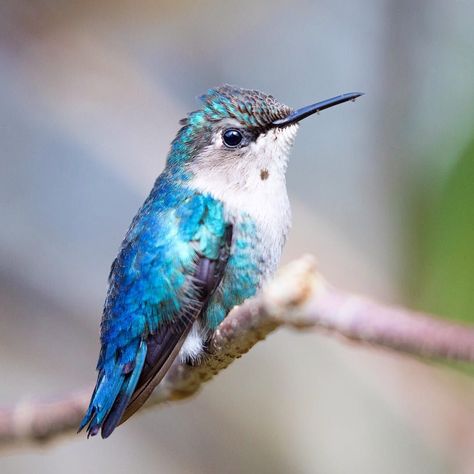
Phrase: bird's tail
pixel 115 386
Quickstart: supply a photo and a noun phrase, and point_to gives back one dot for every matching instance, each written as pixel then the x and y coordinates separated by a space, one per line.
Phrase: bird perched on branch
pixel 208 235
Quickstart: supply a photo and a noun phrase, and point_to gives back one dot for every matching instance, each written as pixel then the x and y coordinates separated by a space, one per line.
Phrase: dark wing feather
pixel 164 345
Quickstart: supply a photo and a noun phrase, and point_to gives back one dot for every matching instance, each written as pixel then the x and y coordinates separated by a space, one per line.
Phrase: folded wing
pixel 171 262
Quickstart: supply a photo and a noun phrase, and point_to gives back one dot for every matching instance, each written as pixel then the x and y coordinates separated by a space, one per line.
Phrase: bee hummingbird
pixel 206 238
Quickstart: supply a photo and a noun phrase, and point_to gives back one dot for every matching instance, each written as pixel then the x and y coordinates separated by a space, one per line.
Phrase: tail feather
pixel 113 389
pixel 121 402
pixel 102 402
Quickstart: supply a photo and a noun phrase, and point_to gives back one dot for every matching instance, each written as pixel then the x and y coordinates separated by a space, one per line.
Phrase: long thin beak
pixel 300 114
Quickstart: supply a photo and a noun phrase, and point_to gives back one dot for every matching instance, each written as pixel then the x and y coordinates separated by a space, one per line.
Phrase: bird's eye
pixel 232 137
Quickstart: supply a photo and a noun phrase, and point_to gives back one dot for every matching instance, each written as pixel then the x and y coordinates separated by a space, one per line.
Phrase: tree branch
pixel 298 297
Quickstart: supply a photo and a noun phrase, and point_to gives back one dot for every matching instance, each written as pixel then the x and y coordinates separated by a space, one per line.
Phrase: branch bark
pixel 298 297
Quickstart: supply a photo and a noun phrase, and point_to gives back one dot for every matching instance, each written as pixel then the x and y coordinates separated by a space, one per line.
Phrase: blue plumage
pixel 150 284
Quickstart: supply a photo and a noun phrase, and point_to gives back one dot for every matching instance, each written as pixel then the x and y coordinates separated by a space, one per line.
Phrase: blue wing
pixel 171 262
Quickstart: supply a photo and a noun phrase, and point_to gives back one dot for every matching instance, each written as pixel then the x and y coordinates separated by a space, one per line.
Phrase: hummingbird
pixel 207 237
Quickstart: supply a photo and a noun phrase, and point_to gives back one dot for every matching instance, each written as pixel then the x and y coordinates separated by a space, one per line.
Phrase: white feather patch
pixel 193 345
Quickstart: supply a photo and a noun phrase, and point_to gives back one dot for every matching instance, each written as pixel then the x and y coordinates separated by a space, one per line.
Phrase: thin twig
pixel 300 298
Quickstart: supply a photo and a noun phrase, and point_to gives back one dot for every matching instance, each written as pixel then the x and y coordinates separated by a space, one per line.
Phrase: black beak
pixel 300 114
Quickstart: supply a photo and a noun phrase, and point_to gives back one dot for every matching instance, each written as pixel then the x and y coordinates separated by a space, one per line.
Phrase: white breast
pixel 266 202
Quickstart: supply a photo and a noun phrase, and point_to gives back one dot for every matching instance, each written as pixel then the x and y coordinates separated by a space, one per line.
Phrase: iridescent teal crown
pixel 251 107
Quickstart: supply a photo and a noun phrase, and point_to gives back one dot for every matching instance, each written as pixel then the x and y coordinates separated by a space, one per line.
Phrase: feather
pixel 128 386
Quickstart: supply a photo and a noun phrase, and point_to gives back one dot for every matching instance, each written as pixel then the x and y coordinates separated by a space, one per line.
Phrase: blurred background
pixel 382 193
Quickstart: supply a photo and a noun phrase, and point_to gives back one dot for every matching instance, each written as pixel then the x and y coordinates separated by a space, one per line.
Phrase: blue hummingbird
pixel 206 238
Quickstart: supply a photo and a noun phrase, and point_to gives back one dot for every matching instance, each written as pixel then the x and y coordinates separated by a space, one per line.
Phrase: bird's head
pixel 239 134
